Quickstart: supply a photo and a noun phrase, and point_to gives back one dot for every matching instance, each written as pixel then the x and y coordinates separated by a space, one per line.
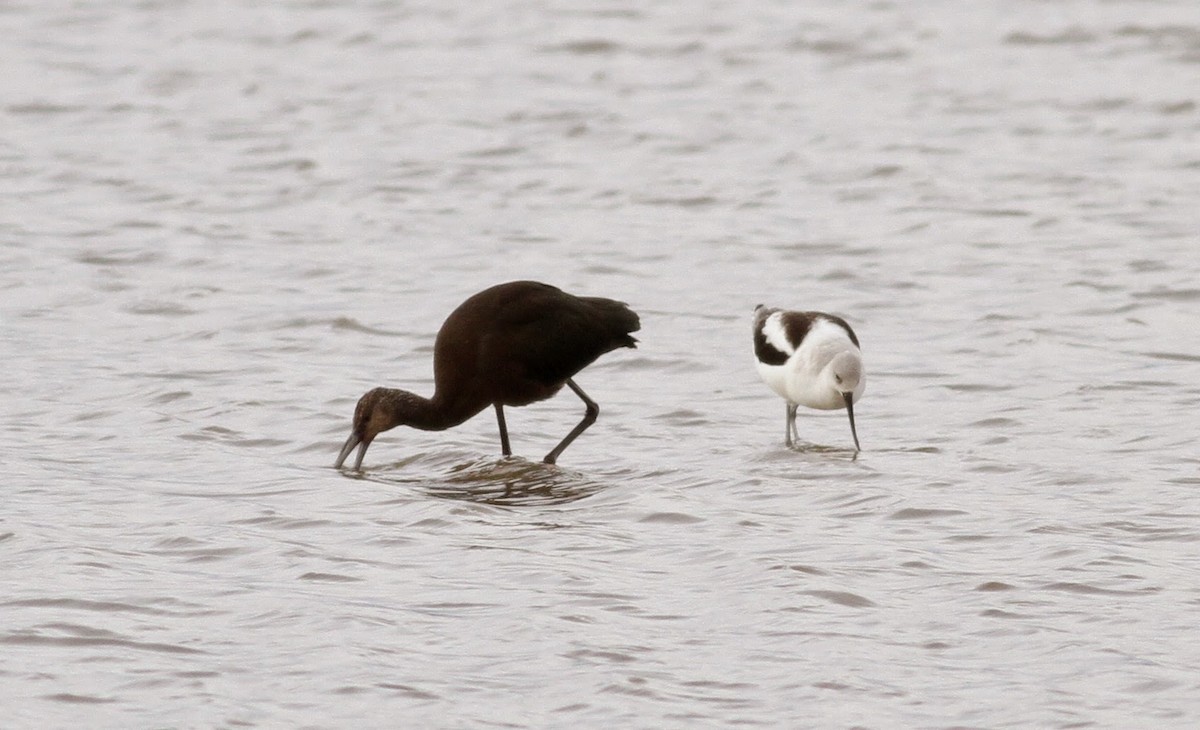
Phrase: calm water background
pixel 222 222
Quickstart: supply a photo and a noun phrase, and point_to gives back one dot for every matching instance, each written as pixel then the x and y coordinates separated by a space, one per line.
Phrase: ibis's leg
pixel 589 417
pixel 504 447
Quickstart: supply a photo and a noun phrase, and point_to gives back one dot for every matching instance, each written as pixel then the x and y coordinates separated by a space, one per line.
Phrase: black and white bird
pixel 810 359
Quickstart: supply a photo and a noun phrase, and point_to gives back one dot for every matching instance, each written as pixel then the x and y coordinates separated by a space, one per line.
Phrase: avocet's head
pixel 846 372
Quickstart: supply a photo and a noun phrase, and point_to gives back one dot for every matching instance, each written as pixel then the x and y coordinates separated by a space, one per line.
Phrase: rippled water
pixel 223 222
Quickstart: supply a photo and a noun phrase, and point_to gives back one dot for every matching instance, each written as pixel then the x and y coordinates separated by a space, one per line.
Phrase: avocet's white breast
pixel 812 379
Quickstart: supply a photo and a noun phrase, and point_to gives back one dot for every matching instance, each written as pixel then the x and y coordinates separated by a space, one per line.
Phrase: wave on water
pixel 505 481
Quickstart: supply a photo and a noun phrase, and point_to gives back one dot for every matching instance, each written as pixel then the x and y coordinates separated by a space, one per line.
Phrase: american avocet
pixel 810 359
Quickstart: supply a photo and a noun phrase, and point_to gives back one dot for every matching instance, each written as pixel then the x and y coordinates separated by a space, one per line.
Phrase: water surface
pixel 223 223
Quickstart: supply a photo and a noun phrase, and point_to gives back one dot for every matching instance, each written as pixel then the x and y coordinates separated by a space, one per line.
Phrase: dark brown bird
pixel 510 345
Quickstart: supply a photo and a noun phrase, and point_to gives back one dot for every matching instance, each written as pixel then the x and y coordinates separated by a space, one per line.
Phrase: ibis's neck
pixel 427 414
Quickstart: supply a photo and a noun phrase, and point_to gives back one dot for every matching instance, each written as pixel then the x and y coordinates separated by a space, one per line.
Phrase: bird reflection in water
pixel 510 481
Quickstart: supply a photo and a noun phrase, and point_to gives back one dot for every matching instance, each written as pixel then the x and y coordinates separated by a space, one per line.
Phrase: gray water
pixel 223 222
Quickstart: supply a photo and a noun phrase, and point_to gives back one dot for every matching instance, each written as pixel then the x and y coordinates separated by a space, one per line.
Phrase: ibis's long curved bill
pixel 849 409
pixel 351 442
